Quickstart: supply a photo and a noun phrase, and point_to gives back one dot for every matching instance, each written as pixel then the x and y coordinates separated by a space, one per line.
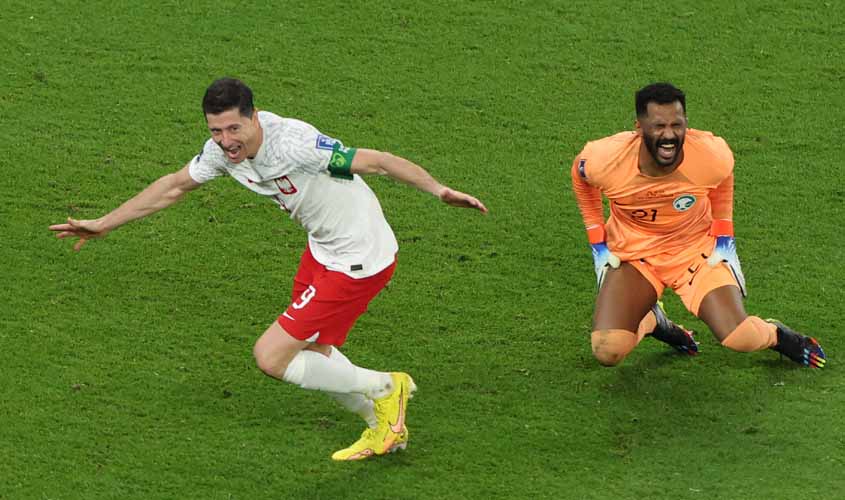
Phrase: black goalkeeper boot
pixel 799 348
pixel 676 336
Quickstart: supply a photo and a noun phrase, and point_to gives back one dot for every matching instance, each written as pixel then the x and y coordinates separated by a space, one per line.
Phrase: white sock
pixel 312 370
pixel 354 402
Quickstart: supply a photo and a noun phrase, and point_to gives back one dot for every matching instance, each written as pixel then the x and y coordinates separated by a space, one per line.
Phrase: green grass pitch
pixel 126 369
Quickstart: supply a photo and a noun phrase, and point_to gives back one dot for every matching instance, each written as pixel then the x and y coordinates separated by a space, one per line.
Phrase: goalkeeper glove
pixel 602 256
pixel 725 251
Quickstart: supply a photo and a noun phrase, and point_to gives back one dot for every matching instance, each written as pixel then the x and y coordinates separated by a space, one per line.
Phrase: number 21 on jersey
pixel 641 214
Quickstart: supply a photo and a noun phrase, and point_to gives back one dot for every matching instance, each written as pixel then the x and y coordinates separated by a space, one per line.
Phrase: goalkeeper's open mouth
pixel 667 151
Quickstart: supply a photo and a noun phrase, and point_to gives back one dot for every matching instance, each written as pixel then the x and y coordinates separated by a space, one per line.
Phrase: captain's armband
pixel 340 164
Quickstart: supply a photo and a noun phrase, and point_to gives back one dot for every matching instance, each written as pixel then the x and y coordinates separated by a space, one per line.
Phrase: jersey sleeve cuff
pixel 194 174
pixel 596 234
pixel 722 227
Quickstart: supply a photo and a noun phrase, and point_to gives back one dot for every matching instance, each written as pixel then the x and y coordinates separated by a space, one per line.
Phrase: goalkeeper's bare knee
pixel 611 346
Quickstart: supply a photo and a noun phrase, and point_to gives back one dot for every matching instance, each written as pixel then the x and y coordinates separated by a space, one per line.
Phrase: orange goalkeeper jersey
pixel 654 215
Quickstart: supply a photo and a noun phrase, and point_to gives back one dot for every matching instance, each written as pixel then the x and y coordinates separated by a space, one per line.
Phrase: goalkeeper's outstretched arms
pixel 589 202
pixel 157 196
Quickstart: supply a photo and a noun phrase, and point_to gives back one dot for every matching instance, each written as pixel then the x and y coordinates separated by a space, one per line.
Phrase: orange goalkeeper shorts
pixel 686 273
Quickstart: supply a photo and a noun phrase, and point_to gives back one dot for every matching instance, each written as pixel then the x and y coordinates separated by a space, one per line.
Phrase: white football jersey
pixel 347 231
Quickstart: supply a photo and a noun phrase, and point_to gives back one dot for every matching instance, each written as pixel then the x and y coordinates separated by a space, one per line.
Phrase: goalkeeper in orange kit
pixel 670 190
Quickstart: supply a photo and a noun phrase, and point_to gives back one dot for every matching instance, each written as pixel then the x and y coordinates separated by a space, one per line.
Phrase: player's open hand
pixel 82 229
pixel 459 199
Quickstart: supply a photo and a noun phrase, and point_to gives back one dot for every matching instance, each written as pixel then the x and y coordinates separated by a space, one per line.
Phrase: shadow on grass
pixel 379 477
pixel 662 401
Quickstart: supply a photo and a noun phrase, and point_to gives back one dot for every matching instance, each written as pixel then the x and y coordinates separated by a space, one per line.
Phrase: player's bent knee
pixel 610 347
pixel 268 360
pixel 264 362
pixel 608 358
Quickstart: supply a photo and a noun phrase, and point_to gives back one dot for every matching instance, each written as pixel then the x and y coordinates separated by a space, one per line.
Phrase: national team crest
pixel 684 202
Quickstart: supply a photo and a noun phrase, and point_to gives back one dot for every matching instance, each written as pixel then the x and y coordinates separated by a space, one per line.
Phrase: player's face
pixel 238 136
pixel 663 128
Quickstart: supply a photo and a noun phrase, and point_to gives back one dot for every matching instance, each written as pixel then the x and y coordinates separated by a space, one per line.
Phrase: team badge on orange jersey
pixel 684 202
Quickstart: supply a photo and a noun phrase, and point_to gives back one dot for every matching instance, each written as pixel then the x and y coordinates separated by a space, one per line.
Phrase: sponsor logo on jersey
pixel 684 202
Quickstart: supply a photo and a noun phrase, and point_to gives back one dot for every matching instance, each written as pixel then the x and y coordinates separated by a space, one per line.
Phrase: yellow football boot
pixel 390 410
pixel 390 433
pixel 371 440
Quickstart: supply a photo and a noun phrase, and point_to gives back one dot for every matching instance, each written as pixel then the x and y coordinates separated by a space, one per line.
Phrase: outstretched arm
pixel 159 195
pixel 370 161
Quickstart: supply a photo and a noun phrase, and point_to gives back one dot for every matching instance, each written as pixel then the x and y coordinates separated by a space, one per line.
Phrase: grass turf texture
pixel 126 368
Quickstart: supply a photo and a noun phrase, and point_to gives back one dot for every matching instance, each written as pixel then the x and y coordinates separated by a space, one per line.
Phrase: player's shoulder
pixel 279 128
pixel 611 145
pixel 293 144
pixel 209 163
pixel 600 157
pixel 710 145
pixel 709 159
pixel 295 133
pixel 283 135
pixel 211 154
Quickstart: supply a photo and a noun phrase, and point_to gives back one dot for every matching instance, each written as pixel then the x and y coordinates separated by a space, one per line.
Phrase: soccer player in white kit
pixel 350 256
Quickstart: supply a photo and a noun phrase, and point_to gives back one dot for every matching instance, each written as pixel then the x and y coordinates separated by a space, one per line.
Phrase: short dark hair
pixel 225 94
pixel 660 93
